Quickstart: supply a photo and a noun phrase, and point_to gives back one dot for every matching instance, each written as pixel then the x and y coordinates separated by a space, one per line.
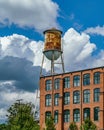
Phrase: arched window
pixel 56 83
pixel 66 115
pixel 86 96
pixel 76 97
pixel 56 116
pixel 86 79
pixel 48 100
pixel 86 113
pixel 56 99
pixel 76 80
pixel 96 113
pixel 47 115
pixel 48 85
pixel 66 82
pixel 66 98
pixel 96 94
pixel 76 115
pixel 96 77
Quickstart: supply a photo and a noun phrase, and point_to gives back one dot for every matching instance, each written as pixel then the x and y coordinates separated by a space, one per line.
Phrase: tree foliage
pixel 50 123
pixel 21 117
pixel 88 125
pixel 73 126
pixel 3 127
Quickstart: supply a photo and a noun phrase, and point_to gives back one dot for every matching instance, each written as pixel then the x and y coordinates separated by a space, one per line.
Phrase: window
pixel 76 97
pixel 86 96
pixel 56 83
pixel 47 114
pixel 48 100
pixel 96 94
pixel 56 117
pixel 86 79
pixel 48 85
pixel 66 98
pixel 96 77
pixel 76 80
pixel 66 82
pixel 86 113
pixel 56 99
pixel 66 115
pixel 76 115
pixel 96 113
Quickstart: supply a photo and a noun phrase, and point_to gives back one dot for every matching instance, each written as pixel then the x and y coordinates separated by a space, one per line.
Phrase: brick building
pixel 73 96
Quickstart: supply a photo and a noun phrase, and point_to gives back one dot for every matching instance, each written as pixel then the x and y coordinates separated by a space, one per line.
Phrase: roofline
pixel 43 76
pixel 52 30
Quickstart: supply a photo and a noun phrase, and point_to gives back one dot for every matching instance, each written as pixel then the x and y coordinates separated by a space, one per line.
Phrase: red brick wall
pixel 64 126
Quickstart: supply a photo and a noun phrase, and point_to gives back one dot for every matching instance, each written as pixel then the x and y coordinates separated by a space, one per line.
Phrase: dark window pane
pixel 96 77
pixel 66 115
pixel 66 98
pixel 96 94
pixel 76 97
pixel 56 83
pixel 56 99
pixel 76 80
pixel 96 113
pixel 86 96
pixel 76 115
pixel 48 100
pixel 47 115
pixel 66 82
pixel 86 79
pixel 48 85
pixel 86 113
pixel 56 117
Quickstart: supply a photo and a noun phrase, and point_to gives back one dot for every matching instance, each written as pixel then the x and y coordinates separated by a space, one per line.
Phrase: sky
pixel 22 23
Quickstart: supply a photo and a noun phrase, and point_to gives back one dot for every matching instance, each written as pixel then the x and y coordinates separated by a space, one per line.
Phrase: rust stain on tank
pixel 52 40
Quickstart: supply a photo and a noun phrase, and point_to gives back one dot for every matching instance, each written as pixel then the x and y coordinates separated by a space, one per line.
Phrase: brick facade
pixel 61 125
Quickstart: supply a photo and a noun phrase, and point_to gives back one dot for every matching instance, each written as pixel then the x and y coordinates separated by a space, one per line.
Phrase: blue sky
pixel 77 14
pixel 21 42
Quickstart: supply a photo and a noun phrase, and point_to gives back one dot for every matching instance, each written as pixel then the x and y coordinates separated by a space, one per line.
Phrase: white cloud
pixel 86 52
pixel 77 48
pixel 3 113
pixel 78 52
pixel 21 47
pixel 38 14
pixel 9 94
pixel 98 60
pixel 95 30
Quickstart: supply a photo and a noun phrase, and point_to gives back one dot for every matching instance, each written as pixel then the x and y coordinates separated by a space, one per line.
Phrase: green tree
pixel 73 126
pixel 21 117
pixel 50 123
pixel 3 126
pixel 88 125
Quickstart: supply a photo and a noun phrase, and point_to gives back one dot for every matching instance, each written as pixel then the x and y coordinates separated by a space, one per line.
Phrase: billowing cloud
pixel 21 47
pixel 21 71
pixel 77 49
pixel 37 14
pixel 9 94
pixel 95 30
pixel 20 63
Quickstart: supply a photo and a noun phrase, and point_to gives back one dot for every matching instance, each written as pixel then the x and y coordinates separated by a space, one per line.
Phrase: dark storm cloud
pixel 21 71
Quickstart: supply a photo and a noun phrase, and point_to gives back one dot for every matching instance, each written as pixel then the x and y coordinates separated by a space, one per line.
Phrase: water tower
pixel 53 49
